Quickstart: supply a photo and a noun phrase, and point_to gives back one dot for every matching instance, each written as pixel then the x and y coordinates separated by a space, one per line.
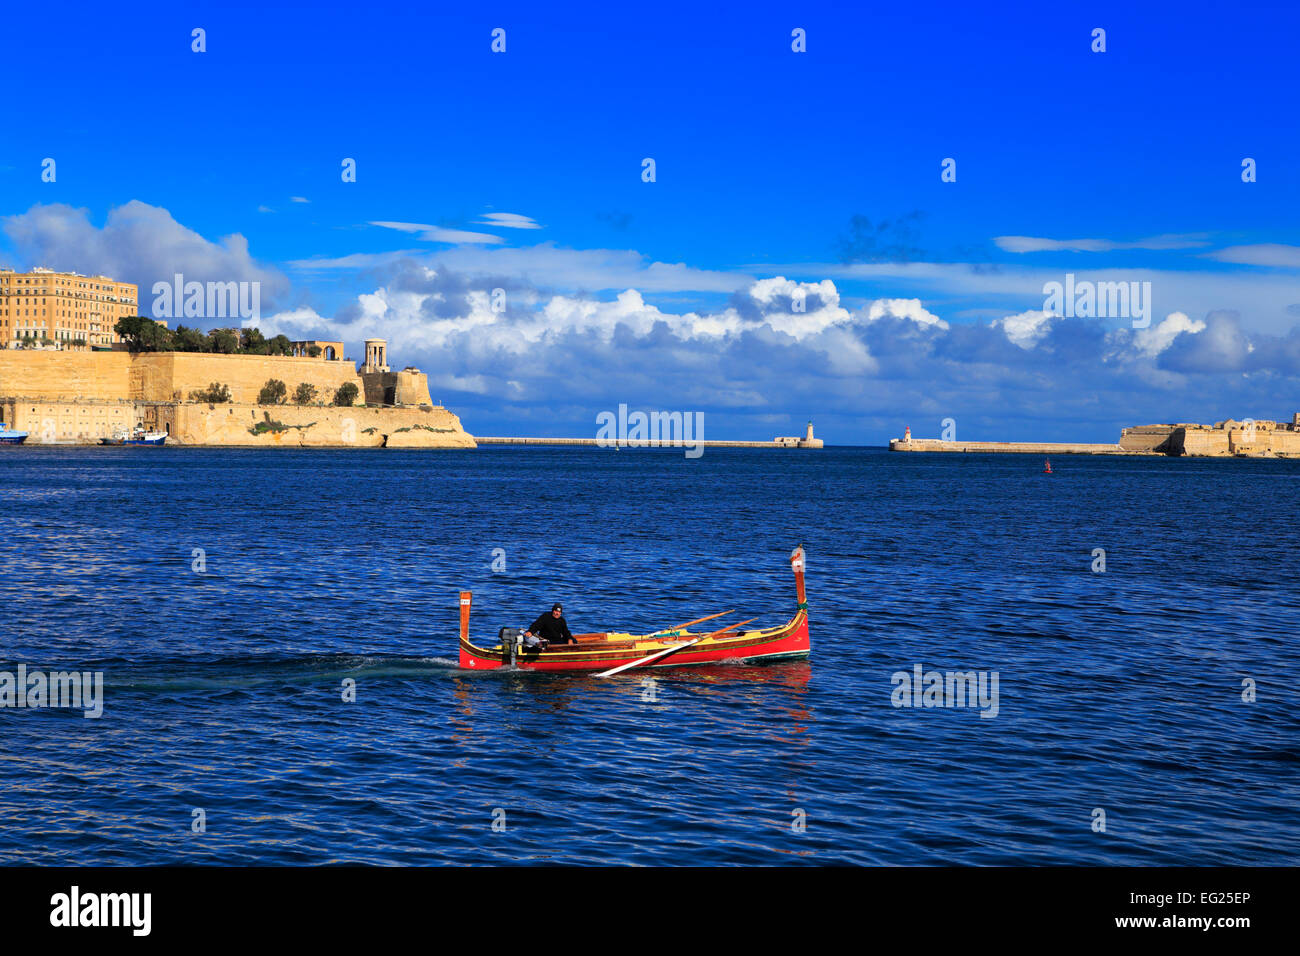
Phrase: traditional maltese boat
pixel 612 652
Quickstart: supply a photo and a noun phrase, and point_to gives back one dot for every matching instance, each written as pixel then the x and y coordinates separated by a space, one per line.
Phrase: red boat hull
pixel 790 642
pixel 675 647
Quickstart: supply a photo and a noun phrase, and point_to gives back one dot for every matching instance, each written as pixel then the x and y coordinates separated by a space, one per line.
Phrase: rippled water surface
pixel 1118 691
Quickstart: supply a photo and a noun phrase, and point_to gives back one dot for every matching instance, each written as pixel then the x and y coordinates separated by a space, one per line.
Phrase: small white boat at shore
pixel 10 437
pixel 137 437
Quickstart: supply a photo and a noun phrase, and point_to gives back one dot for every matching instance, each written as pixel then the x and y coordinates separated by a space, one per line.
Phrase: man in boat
pixel 551 628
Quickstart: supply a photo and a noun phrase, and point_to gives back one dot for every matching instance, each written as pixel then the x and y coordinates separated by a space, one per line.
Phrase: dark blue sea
pixel 1119 691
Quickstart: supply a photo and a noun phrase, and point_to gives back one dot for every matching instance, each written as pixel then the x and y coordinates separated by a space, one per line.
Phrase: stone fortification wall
pixel 407 387
pixel 1147 438
pixel 160 376
pixel 171 376
pixel 60 422
pixel 54 375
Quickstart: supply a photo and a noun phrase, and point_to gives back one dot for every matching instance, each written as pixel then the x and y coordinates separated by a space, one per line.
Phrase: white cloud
pixel 778 296
pixel 429 233
pixel 138 243
pixel 1026 329
pixel 1154 340
pixel 597 341
pixel 357 260
pixel 1262 297
pixel 1023 244
pixel 412 322
pixel 509 220
pixel 298 199
pixel 1263 254
pixel 563 354
pixel 594 270
pixel 903 309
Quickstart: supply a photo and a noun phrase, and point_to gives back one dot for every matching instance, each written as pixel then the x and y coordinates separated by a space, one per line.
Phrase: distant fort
pixel 1246 438
pixel 71 396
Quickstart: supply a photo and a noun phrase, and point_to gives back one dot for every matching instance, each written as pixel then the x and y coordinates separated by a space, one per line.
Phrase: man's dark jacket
pixel 554 630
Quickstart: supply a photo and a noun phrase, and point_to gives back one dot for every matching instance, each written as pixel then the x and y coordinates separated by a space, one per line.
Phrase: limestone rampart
pixel 56 375
pixel 160 376
pixel 172 376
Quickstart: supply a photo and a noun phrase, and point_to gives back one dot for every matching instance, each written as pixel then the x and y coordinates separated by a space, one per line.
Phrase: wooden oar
pixel 668 650
pixel 698 620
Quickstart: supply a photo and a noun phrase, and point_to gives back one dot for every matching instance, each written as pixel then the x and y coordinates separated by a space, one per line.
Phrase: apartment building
pixel 64 310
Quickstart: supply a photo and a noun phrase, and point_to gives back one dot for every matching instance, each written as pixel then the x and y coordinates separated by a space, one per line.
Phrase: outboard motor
pixel 512 639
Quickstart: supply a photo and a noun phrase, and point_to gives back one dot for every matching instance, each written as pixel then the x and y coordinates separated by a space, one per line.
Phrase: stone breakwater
pixel 1011 447
pixel 593 442
pixel 1227 439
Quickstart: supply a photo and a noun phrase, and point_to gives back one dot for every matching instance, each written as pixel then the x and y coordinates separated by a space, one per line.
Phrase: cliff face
pixel 309 426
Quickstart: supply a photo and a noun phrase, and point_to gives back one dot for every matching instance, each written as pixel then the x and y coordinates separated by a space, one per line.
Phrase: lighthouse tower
pixel 907 433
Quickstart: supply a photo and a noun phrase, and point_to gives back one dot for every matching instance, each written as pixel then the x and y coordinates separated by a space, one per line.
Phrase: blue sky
pixel 810 168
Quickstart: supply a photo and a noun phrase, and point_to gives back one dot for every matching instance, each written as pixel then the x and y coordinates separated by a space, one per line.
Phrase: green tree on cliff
pixel 280 345
pixel 254 342
pixel 346 395
pixel 143 334
pixel 272 393
pixel 187 339
pixel 304 394
pixel 223 341
pixel 216 394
